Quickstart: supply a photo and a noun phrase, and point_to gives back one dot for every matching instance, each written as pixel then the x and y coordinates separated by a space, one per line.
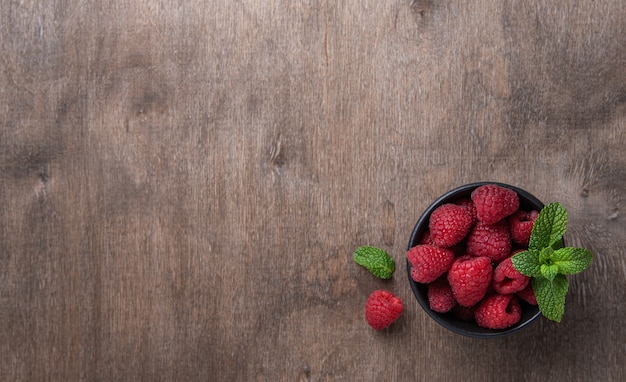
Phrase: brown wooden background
pixel 183 183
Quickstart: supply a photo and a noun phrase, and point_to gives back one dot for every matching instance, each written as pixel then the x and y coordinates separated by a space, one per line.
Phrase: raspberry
pixel 469 278
pixel 491 240
pixel 498 311
pixel 507 279
pixel 440 296
pixel 521 223
pixel 494 203
pixel 429 262
pixel 527 294
pixel 449 224
pixel 382 309
pixel 469 207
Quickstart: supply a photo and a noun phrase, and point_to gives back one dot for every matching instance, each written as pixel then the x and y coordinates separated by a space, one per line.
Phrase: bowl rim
pixel 468 329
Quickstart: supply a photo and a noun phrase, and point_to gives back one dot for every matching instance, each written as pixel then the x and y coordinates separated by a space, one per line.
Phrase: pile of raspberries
pixel 465 257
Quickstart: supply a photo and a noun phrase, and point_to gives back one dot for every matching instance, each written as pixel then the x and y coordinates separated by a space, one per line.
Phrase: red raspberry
pixel 382 309
pixel 507 279
pixel 449 224
pixel 521 223
pixel 469 207
pixel 494 203
pixel 440 296
pixel 469 278
pixel 491 240
pixel 527 294
pixel 429 262
pixel 498 311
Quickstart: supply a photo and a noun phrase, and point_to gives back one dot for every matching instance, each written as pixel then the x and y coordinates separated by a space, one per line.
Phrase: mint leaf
pixel 571 260
pixel 376 261
pixel 549 227
pixel 527 263
pixel 545 255
pixel 549 271
pixel 550 296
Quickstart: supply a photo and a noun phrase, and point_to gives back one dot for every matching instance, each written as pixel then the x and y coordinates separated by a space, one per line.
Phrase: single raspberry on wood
pixel 429 262
pixel 469 278
pixel 440 297
pixel 494 203
pixel 521 223
pixel 507 279
pixel 498 311
pixel 491 240
pixel 382 309
pixel 449 224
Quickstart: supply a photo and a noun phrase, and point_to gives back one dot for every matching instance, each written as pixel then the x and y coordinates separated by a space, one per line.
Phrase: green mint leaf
pixel 549 227
pixel 527 263
pixel 549 271
pixel 376 261
pixel 551 296
pixel 545 255
pixel 571 260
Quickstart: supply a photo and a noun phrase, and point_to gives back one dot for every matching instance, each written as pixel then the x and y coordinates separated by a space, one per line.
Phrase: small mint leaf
pixel 549 227
pixel 545 255
pixel 549 271
pixel 376 261
pixel 527 263
pixel 550 296
pixel 571 260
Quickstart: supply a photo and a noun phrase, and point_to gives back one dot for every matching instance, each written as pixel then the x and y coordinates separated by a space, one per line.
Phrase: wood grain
pixel 182 184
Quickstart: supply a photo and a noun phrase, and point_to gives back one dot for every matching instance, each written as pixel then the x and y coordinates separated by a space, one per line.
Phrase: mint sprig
pixel 548 262
pixel 376 261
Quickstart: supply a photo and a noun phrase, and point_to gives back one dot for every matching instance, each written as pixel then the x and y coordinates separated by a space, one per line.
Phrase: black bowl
pixel 530 313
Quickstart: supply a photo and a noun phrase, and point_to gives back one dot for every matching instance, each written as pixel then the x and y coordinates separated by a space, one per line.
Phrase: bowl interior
pixel 530 313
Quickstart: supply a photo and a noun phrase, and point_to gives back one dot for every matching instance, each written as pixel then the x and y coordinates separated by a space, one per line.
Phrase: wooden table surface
pixel 183 183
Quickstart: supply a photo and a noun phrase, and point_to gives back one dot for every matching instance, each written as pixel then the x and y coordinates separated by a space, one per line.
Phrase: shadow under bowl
pixel 530 313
